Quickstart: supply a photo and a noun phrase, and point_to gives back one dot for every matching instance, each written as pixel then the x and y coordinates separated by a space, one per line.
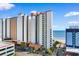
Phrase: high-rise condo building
pixel 41 28
pixel 35 28
pixel 44 29
pixel 72 39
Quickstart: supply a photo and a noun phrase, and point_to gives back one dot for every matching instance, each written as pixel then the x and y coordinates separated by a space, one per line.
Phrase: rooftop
pixel 4 44
pixel 74 50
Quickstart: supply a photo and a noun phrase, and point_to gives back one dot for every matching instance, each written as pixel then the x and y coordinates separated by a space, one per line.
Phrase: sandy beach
pixel 60 40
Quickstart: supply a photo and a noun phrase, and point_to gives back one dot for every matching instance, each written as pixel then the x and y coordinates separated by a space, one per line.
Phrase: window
pixel 77 39
pixel 9 47
pixel 2 49
pixel 69 38
pixel 10 54
pixel 3 53
pixel 10 51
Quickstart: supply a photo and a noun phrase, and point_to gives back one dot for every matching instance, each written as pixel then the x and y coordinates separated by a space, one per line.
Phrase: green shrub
pixel 22 45
pixel 52 49
pixel 31 50
pixel 49 51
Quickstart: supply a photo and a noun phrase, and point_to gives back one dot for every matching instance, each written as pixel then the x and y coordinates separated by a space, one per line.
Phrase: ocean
pixel 59 34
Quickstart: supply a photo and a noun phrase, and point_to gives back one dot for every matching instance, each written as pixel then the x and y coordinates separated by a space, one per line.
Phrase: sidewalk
pixel 26 54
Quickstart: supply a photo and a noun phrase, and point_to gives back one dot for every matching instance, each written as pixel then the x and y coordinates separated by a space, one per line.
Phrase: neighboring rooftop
pixel 4 44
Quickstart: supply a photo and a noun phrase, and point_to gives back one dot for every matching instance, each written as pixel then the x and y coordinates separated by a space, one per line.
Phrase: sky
pixel 64 14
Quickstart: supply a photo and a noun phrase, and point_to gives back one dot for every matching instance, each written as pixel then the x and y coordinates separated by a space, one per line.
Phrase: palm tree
pixel 55 43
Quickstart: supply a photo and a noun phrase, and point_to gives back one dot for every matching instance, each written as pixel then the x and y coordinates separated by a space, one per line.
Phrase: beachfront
pixel 59 40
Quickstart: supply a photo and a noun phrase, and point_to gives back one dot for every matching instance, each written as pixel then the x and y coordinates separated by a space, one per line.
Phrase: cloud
pixel 6 6
pixel 55 26
pixel 33 11
pixel 71 14
pixel 73 23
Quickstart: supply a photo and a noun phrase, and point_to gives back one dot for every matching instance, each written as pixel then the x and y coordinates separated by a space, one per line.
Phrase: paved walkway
pixel 26 54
